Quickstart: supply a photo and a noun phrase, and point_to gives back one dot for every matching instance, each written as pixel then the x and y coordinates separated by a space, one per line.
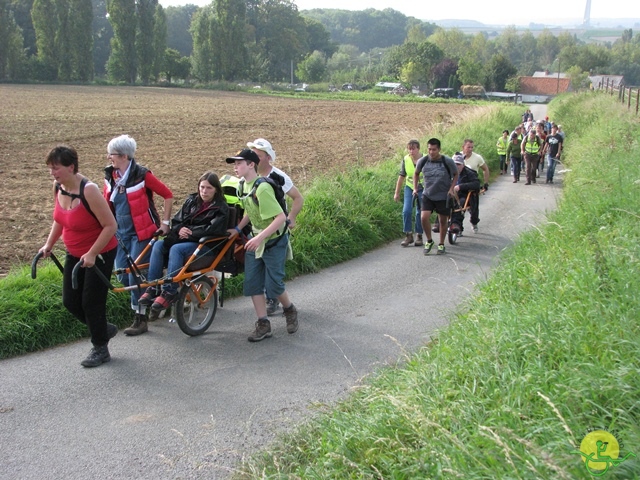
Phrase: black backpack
pixel 276 181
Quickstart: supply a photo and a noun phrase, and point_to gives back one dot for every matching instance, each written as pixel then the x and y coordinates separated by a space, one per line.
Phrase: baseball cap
pixel 458 158
pixel 265 146
pixel 245 154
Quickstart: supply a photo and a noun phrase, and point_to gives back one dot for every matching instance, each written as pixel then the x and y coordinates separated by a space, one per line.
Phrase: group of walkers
pixel 101 230
pixel 436 183
pixel 534 143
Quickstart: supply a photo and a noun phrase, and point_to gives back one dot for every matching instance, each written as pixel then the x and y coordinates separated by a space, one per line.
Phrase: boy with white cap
pixel 267 155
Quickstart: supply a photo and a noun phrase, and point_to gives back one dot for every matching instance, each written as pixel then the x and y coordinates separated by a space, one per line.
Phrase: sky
pixel 491 12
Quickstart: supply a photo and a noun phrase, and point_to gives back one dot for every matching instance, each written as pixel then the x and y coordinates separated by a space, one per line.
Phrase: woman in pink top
pixel 84 220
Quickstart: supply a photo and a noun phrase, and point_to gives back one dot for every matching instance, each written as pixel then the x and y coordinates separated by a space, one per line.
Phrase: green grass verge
pixel 344 216
pixel 32 314
pixel 550 349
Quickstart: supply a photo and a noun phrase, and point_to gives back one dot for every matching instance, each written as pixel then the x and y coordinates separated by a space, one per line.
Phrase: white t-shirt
pixel 288 183
pixel 474 162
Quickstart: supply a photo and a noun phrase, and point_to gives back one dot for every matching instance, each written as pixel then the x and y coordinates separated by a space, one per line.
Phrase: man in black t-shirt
pixel 552 148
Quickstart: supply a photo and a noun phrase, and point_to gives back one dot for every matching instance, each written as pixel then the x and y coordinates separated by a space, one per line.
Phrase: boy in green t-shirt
pixel 267 247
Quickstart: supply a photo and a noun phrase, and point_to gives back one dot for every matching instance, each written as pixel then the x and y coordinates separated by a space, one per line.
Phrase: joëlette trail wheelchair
pixel 197 301
pixel 454 228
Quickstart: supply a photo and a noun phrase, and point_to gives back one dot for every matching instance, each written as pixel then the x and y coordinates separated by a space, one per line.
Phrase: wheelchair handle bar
pixel 38 256
pixel 101 276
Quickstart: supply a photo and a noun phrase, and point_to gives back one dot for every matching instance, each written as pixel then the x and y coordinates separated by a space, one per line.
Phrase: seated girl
pixel 203 214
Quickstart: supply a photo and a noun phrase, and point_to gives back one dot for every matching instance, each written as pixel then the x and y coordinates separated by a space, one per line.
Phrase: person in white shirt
pixel 475 162
pixel 267 155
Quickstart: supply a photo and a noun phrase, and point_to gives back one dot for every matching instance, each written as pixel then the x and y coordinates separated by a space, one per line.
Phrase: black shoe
pixel 436 228
pixel 112 330
pixel 97 356
pixel 149 295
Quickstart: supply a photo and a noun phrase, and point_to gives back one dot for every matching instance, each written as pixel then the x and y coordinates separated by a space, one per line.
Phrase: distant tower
pixel 587 14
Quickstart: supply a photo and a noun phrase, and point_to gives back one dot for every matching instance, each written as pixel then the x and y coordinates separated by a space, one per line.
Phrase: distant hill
pixel 620 23
pixel 460 23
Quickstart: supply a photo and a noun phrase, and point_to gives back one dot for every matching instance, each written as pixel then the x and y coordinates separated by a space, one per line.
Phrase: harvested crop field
pixel 181 134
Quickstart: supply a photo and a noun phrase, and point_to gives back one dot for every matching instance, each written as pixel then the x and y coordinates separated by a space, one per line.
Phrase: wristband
pixel 237 229
pixel 166 222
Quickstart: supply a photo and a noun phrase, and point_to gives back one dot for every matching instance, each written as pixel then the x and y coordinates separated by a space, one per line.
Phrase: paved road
pixel 171 406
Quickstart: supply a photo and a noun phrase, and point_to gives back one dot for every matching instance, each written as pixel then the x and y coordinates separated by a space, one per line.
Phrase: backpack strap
pixel 79 195
pixel 445 166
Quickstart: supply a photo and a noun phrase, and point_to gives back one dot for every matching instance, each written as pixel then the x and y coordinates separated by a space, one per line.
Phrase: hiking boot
pixel 153 315
pixel 262 331
pixel 440 249
pixel 408 240
pixel 138 327
pixel 97 356
pixel 112 330
pixel 272 306
pixel 291 314
pixel 419 241
pixel 428 246
pixel 436 228
pixel 164 301
pixel 149 295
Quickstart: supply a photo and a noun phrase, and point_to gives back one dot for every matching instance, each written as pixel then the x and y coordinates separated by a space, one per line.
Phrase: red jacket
pixel 140 187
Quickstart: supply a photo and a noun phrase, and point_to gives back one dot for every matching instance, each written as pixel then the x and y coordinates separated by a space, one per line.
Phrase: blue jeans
pixel 178 256
pixel 551 170
pixel 516 165
pixel 407 211
pixel 503 163
pixel 134 247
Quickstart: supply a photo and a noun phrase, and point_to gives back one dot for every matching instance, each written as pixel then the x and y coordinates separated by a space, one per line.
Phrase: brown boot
pixel 138 327
pixel 419 241
pixel 291 314
pixel 407 241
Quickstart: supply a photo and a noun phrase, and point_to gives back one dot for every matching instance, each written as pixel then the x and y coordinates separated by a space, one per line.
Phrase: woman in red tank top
pixel 89 237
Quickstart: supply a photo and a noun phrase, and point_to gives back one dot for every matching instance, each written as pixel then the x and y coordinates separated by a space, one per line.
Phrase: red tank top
pixel 80 229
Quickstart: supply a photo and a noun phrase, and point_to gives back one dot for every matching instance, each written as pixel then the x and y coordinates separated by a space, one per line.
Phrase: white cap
pixel 265 146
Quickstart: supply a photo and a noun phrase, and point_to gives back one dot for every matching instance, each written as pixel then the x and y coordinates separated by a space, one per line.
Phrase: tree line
pixel 139 41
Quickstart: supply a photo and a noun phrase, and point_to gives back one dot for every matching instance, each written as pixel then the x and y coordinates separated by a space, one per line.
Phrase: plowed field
pixel 180 135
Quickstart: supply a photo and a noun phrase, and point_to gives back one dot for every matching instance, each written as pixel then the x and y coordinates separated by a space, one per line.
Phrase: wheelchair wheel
pixel 196 306
pixel 453 237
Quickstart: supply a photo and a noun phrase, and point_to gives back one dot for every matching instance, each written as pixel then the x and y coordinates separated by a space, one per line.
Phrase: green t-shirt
pixel 261 215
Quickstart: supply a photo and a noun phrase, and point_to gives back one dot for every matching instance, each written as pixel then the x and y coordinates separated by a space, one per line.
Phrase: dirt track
pixel 181 134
